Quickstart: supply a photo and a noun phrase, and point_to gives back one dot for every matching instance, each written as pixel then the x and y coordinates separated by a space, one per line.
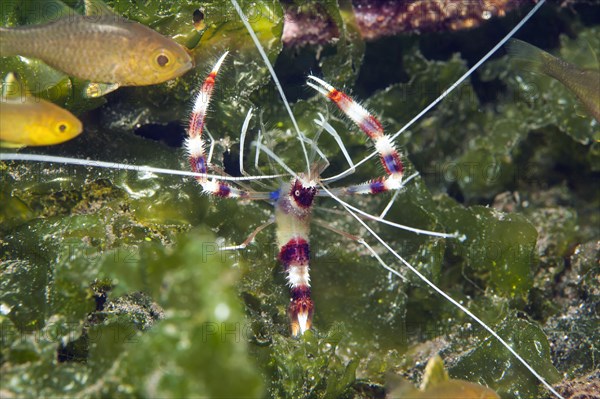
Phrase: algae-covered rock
pixel 498 247
pixel 193 349
pixel 490 362
pixel 311 366
pixel 574 333
pixel 84 226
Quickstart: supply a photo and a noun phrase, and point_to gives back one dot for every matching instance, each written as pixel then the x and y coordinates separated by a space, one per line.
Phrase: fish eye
pixel 62 127
pixel 162 60
pixel 297 193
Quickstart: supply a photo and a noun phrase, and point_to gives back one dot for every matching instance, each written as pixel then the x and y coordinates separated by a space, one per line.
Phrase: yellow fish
pixel 29 121
pixel 105 48
pixel 584 83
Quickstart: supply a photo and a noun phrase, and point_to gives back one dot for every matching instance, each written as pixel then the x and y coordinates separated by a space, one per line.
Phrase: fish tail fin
pixel 529 57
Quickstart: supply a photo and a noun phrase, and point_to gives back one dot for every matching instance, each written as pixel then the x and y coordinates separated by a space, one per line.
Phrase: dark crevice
pixel 172 134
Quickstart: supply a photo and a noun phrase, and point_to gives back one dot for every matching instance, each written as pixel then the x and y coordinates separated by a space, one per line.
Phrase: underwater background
pixel 111 282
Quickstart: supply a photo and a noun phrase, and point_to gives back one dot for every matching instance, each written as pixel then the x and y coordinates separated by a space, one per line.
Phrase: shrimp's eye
pixel 162 60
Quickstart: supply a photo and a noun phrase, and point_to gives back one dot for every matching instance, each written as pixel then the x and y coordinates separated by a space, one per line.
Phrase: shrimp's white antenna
pixel 277 159
pixel 263 55
pixel 380 219
pixel 329 129
pixel 123 166
pixel 349 208
pixel 471 70
pixel 449 90
pixel 243 138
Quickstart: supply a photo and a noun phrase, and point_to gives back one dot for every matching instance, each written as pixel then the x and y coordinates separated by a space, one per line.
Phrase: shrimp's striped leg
pixel 250 238
pixel 375 186
pixel 195 145
pixel 202 100
pixel 292 215
pixel 388 154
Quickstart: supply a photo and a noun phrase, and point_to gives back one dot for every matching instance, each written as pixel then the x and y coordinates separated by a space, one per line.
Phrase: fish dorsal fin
pixel 13 88
pixel 53 10
pixel 435 373
pixel 98 8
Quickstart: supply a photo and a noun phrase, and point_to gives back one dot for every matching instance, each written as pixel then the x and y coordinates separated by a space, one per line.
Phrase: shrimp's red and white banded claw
pixel 390 159
pixel 195 145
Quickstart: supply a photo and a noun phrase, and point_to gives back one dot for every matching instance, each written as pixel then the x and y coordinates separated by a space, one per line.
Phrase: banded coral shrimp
pixel 364 264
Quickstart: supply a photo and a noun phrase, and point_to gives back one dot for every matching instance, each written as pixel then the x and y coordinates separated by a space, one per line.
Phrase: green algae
pixel 498 249
pixel 499 369
pixel 66 228
pixel 549 100
pixel 188 338
pixel 311 368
